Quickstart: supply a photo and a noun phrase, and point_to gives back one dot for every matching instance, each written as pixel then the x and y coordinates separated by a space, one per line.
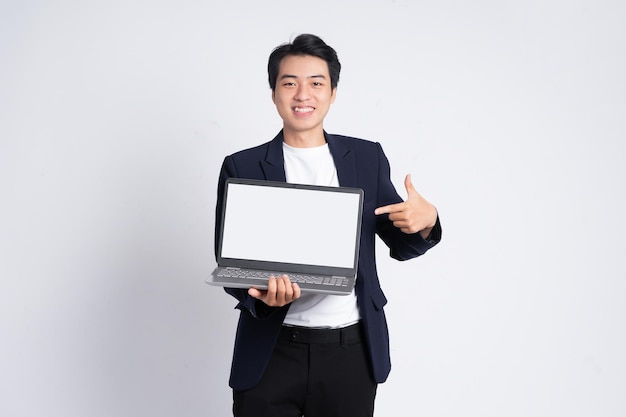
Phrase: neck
pixel 304 139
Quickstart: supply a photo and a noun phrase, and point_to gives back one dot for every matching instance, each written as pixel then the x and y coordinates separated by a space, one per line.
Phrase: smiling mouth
pixel 303 109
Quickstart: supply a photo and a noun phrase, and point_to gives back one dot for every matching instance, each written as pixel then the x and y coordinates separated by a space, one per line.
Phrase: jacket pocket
pixel 378 299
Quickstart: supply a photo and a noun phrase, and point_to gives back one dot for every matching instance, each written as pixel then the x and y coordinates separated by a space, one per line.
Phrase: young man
pixel 320 355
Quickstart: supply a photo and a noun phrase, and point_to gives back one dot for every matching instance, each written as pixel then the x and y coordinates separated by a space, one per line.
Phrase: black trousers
pixel 313 373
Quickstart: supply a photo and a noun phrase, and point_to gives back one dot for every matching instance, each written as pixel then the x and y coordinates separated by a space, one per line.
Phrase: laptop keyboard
pixel 298 278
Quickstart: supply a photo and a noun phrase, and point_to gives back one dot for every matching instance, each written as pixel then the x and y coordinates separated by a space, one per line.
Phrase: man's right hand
pixel 280 292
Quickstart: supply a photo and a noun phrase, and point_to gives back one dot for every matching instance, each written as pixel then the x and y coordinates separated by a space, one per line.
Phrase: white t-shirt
pixel 315 166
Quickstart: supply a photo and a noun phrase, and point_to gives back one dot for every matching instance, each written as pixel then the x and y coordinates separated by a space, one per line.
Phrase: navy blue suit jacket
pixel 360 164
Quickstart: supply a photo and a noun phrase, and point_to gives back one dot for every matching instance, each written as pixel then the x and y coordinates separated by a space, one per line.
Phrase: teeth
pixel 303 109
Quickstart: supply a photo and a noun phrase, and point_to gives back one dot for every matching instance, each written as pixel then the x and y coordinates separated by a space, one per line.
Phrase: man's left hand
pixel 413 215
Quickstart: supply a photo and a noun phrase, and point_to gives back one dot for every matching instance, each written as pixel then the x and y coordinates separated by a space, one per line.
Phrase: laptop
pixel 310 233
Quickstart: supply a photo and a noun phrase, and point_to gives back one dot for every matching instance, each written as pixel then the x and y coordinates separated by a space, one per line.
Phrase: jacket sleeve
pixel 401 246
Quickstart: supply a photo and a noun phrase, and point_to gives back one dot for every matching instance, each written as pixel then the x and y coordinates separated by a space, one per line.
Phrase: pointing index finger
pixel 391 208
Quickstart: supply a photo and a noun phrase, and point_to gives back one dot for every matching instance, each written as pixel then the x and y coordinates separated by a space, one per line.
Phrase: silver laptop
pixel 310 233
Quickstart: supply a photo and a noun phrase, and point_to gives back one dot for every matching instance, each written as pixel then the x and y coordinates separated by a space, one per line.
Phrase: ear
pixel 274 96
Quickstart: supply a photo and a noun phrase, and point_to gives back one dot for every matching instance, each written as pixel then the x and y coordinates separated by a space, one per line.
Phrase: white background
pixel 115 117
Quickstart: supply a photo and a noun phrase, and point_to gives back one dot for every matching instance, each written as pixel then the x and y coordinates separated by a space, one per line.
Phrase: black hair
pixel 305 44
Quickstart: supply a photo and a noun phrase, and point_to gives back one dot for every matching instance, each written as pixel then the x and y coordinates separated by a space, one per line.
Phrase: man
pixel 320 355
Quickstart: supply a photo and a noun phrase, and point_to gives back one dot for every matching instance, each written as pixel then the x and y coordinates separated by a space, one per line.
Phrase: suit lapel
pixel 274 163
pixel 344 162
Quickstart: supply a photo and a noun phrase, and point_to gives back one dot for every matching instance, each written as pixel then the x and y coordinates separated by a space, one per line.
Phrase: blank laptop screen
pixel 291 225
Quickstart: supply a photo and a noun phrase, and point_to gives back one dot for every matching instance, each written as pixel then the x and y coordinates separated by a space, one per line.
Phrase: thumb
pixel 253 292
pixel 410 190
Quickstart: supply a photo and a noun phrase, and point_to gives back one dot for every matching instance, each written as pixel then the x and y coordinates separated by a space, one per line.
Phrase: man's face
pixel 303 94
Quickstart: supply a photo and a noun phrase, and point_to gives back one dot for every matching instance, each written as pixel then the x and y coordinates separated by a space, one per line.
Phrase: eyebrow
pixel 295 76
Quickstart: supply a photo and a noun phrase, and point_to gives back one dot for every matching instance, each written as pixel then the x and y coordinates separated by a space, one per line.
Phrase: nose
pixel 302 93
